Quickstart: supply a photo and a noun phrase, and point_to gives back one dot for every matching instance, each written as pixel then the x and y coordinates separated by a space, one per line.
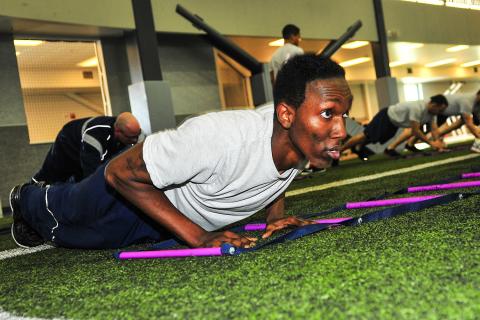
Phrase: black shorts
pixel 476 114
pixel 441 119
pixel 380 129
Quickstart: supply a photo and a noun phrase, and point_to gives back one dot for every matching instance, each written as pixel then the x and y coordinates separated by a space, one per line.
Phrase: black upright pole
pixel 146 40
pixel 150 96
pixel 380 50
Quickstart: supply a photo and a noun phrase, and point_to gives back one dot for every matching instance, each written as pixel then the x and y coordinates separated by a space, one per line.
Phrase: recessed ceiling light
pixel 92 62
pixel 277 43
pixel 27 43
pixel 409 45
pixel 355 44
pixel 398 63
pixel 410 80
pixel 470 64
pixel 457 48
pixel 353 62
pixel 440 62
pixel 462 5
pixel 434 2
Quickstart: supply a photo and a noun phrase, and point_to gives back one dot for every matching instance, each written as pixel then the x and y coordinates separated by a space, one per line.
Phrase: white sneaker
pixel 476 146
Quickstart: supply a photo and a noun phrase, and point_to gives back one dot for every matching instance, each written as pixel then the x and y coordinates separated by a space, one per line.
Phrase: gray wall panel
pixel 118 75
pixel 18 159
pixel 188 65
pixel 11 100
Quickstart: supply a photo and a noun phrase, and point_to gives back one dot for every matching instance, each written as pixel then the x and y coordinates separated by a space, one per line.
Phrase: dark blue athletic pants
pixel 87 214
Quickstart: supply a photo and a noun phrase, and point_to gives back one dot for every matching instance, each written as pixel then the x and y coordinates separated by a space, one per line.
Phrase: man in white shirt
pixel 291 37
pixel 465 106
pixel 214 170
pixel 387 121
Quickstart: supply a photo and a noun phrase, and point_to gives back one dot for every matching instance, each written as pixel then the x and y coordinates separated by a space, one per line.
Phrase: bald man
pixel 83 145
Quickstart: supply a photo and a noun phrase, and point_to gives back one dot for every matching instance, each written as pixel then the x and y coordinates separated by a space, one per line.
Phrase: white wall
pixel 415 22
pixel 321 19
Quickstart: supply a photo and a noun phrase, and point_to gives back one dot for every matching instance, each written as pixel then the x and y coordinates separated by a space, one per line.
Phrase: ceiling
pixel 417 55
pixel 431 52
pixel 54 54
pixel 259 48
pixel 64 54
pixel 49 29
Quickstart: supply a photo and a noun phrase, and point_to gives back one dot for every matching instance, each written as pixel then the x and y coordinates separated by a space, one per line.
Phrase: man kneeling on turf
pixel 214 170
pixel 412 114
pixel 467 107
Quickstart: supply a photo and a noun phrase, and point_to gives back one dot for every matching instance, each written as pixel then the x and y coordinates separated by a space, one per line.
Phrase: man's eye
pixel 345 115
pixel 327 114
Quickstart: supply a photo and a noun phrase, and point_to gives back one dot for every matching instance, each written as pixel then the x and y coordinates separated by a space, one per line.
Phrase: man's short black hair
pixel 293 77
pixel 290 30
pixel 478 92
pixel 439 99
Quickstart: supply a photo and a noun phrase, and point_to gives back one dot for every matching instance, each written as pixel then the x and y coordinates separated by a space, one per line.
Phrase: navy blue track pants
pixel 88 214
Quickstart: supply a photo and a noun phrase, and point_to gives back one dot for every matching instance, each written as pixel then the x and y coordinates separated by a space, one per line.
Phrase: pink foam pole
pixel 179 253
pixel 387 202
pixel 262 226
pixel 455 185
pixel 470 175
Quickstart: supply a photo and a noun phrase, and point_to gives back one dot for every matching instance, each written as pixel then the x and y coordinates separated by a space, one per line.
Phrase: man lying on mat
pixel 214 170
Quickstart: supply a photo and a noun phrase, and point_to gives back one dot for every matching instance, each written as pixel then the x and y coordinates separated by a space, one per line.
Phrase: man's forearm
pixel 446 128
pixel 127 174
pixel 276 209
pixel 435 132
pixel 471 126
pixel 420 135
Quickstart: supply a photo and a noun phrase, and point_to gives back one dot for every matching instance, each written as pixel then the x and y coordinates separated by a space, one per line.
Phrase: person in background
pixel 82 145
pixel 465 106
pixel 411 115
pixel 291 36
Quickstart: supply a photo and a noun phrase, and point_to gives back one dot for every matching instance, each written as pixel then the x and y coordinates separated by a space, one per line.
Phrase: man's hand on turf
pixel 216 239
pixel 283 223
pixel 437 145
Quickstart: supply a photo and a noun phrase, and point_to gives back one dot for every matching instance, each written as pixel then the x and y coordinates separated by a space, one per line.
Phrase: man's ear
pixel 285 115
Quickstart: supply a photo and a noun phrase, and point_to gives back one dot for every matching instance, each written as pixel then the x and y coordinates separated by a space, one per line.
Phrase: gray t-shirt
pixel 402 113
pixel 282 55
pixel 217 168
pixel 459 104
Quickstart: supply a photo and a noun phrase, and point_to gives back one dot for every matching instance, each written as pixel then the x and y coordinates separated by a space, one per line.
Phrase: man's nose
pixel 339 130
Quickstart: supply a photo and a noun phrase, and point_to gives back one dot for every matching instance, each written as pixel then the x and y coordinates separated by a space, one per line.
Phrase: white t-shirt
pixel 281 56
pixel 459 104
pixel 217 168
pixel 403 112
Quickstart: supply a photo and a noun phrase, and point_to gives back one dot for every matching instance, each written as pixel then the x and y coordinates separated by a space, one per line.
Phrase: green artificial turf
pixel 423 264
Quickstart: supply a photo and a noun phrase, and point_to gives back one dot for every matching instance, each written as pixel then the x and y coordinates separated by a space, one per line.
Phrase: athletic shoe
pixel 412 148
pixel 392 153
pixel 23 235
pixel 476 146
pixel 362 152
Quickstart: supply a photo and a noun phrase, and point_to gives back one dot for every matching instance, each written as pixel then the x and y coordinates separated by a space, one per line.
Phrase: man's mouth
pixel 334 152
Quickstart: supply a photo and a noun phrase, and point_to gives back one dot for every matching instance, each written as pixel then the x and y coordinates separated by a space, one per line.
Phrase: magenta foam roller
pixel 387 202
pixel 455 185
pixel 179 253
pixel 470 175
pixel 262 226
